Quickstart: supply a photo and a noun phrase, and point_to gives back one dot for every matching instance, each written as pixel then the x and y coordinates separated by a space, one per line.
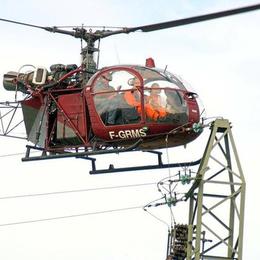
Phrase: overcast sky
pixel 220 59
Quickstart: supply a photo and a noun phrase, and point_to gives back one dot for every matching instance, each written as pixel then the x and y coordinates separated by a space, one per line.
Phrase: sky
pixel 220 59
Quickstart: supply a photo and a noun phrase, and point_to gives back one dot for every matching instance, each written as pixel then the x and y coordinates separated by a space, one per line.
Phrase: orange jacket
pixel 154 113
pixel 154 109
pixel 131 100
pixel 150 111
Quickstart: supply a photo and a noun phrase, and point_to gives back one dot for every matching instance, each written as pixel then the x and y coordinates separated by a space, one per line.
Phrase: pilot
pixel 132 97
pixel 104 99
pixel 132 110
pixel 103 83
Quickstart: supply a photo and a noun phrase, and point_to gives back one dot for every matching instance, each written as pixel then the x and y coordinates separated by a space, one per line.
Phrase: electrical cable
pixel 14 154
pixel 68 216
pixel 150 204
pixel 75 191
pixel 162 221
pixel 9 155
pixel 173 221
pixel 167 155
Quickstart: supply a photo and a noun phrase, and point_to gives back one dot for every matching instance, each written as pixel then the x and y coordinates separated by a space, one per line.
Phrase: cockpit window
pixel 173 78
pixel 149 75
pixel 117 97
pixel 164 105
pixel 121 98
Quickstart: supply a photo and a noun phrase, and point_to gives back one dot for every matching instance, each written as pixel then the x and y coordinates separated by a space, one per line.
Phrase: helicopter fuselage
pixel 116 107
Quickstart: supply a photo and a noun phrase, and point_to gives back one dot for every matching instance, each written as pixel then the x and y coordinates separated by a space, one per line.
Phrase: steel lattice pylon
pixel 217 200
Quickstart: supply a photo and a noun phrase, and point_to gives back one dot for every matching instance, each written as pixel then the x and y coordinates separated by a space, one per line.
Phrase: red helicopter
pixel 79 111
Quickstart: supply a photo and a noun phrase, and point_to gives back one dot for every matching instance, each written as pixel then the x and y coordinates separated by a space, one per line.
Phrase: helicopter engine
pixel 28 82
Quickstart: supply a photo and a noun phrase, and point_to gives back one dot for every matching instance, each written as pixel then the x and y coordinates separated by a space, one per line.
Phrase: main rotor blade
pixel 26 24
pixel 195 19
pixel 80 33
pixel 185 21
pixel 53 29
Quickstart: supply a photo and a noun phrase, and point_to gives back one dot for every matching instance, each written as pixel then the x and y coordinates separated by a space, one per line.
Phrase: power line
pixel 69 216
pixel 75 191
pixel 10 154
pixel 13 154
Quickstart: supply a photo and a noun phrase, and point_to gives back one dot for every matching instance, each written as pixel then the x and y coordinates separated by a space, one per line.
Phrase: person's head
pixel 106 77
pixel 102 83
pixel 155 88
pixel 136 83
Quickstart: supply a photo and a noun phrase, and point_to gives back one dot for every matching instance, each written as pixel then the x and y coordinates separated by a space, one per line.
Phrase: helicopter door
pixel 117 97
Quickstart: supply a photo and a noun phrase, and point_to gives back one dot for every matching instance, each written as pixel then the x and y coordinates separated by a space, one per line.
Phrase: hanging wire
pixel 81 38
pixel 173 221
pixel 162 181
pixel 155 205
pixel 75 191
pixel 162 221
pixel 173 131
pixel 167 155
pixel 69 216
pixel 170 201
pixel 98 55
pixel 10 154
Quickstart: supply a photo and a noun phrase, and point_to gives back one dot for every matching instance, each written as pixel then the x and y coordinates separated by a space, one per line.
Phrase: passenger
pixel 176 107
pixel 155 99
pixel 174 102
pixel 153 107
pixel 153 110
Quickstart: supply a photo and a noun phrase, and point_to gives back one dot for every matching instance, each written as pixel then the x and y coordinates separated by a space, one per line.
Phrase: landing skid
pixel 111 168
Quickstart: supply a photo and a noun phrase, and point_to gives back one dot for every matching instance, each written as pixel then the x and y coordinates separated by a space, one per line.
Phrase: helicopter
pixel 72 110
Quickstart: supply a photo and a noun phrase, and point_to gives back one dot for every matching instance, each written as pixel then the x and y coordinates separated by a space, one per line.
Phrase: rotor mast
pixel 88 63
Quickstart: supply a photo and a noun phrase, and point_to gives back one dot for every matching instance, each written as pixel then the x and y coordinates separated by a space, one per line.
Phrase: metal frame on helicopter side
pixel 8 115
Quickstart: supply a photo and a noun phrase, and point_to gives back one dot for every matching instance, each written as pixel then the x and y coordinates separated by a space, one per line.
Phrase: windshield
pixel 120 98
pixel 166 79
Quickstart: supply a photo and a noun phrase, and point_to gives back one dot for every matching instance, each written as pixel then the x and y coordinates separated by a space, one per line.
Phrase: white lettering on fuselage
pixel 125 134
